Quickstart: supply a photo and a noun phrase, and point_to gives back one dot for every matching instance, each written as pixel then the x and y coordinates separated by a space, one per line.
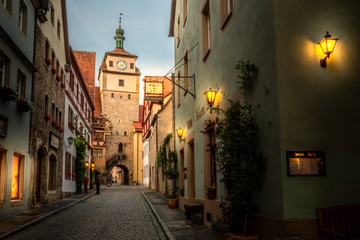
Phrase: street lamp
pixel 327 45
pixel 180 132
pixel 92 166
pixel 86 164
pixel 70 141
pixel 210 98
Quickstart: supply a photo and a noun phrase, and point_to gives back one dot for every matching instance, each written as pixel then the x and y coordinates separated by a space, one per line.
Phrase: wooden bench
pixel 339 222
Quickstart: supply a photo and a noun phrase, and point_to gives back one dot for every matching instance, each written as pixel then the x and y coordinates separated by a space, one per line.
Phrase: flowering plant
pixel 47 117
pixel 47 61
pixel 182 189
pixel 25 106
pixel 58 78
pixel 8 93
pixel 61 129
pixel 62 85
pixel 53 70
pixel 210 188
pixel 71 125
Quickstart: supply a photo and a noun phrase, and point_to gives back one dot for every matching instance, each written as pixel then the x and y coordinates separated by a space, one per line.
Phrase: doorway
pixel 39 162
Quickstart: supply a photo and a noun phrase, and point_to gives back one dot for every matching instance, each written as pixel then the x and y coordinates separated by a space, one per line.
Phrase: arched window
pixel 52 173
pixel 120 147
pixel 53 116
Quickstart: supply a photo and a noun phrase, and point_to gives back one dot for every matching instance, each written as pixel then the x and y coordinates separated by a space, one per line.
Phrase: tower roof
pixel 119 38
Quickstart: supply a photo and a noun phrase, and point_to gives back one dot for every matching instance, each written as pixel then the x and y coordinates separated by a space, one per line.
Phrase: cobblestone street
pixel 119 212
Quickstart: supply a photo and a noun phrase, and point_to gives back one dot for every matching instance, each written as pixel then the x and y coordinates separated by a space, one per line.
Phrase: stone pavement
pixel 174 219
pixel 119 212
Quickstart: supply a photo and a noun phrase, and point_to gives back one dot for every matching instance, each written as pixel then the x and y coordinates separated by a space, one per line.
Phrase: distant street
pixel 119 212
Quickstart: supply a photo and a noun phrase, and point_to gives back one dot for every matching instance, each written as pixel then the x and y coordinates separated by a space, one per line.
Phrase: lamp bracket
pixel 323 62
pixel 191 80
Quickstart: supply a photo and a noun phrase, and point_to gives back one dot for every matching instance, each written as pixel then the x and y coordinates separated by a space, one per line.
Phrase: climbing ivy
pixel 80 168
pixel 161 156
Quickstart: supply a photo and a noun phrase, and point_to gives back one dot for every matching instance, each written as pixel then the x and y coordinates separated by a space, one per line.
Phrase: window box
pixel 58 78
pixel 47 61
pixel 47 117
pixel 9 94
pixel 53 71
pixel 24 106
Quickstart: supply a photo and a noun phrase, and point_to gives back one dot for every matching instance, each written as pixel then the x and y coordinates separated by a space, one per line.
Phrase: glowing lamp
pixel 86 164
pixel 180 132
pixel 327 45
pixel 92 165
pixel 210 97
pixel 185 173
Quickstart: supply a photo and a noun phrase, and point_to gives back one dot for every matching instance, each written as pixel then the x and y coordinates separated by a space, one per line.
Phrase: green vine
pixel 246 72
pixel 161 156
pixel 80 168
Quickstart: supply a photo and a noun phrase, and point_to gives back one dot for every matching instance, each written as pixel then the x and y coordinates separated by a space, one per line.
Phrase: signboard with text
pixel 154 88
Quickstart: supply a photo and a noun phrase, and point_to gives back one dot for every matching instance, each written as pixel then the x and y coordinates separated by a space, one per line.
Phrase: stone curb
pixel 41 218
pixel 163 226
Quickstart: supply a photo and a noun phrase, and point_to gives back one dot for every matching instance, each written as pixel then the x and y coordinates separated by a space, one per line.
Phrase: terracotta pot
pixel 211 195
pixel 249 236
pixel 172 203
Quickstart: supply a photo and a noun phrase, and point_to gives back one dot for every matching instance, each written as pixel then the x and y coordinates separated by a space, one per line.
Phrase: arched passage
pixel 120 174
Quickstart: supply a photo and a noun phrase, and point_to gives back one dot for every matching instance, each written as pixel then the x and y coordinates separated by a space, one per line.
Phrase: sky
pixel 92 25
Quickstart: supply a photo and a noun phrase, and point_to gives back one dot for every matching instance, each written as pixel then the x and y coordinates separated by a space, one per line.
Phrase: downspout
pixel 157 149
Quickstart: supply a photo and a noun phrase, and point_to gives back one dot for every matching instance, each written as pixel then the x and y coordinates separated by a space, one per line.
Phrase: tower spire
pixel 119 38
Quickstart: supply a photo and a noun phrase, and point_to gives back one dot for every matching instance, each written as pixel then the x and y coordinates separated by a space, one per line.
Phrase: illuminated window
pixel 17 178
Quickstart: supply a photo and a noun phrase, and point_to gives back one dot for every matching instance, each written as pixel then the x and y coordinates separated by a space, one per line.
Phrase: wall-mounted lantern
pixel 327 45
pixel 180 132
pixel 86 164
pixel 210 98
pixel 92 166
pixel 185 173
pixel 70 141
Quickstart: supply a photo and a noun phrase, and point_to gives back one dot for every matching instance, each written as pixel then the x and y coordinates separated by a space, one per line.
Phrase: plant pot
pixel 211 195
pixel 240 236
pixel 182 194
pixel 172 203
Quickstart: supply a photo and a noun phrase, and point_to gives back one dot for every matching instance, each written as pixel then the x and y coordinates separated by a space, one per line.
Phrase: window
pixel 125 133
pixel 70 115
pixel 4 69
pixel 52 15
pixel 129 96
pixel 73 174
pixel 7 5
pixel 112 95
pixel 226 9
pixel 52 173
pixel 67 166
pixel 57 115
pixel 72 81
pixel 60 118
pixel 131 66
pixel 97 152
pixel 47 49
pixel 205 29
pixel 58 29
pixel 2 175
pixel 46 104
pixel 98 136
pixel 21 84
pixel 22 20
pixel 186 72
pixel 178 89
pixel 178 31
pixel 121 83
pixel 120 147
pixel 53 116
pixel 184 11
pixel 111 63
pixel 17 178
pixel 53 58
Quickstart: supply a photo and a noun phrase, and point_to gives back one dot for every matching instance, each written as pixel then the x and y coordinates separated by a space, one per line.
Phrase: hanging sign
pixel 153 88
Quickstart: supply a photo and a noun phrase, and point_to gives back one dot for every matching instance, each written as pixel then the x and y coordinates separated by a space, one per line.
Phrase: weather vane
pixel 120 20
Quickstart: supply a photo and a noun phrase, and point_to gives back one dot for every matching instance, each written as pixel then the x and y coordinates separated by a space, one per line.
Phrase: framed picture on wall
pixel 306 163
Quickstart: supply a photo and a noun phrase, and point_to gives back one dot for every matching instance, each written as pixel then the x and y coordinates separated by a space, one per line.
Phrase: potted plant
pixel 8 94
pixel 171 171
pixel 210 191
pixel 238 157
pixel 24 105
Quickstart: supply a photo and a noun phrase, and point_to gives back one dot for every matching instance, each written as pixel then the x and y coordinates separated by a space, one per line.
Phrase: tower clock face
pixel 121 64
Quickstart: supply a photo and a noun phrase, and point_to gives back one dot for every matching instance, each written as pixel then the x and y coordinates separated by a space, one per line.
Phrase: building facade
pixel 305 108
pixel 79 110
pixel 119 90
pixel 17 70
pixel 47 130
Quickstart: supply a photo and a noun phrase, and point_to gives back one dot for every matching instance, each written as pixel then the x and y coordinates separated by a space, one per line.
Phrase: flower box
pixel 71 125
pixel 24 106
pixel 47 117
pixel 47 61
pixel 61 129
pixel 58 78
pixel 211 195
pixel 53 71
pixel 9 94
